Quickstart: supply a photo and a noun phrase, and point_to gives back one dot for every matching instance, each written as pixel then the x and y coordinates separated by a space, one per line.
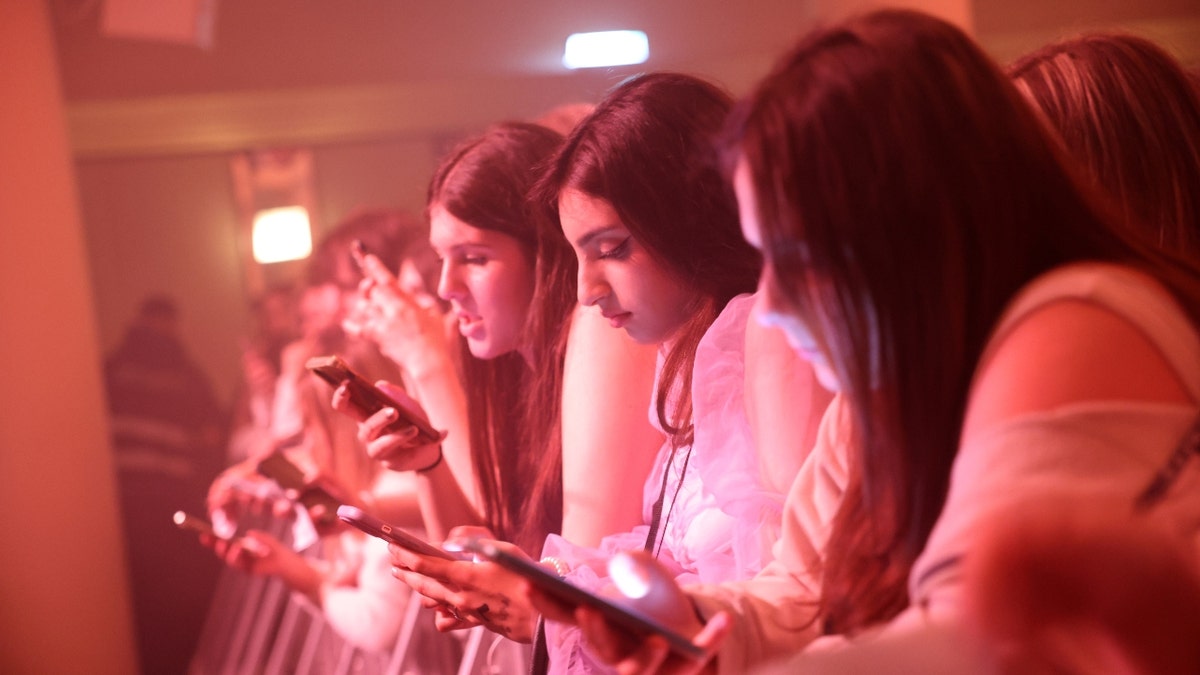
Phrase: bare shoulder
pixel 1066 352
pixel 593 343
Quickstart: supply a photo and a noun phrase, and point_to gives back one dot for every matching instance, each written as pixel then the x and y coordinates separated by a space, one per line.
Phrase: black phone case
pixel 390 533
pixel 626 617
pixel 365 396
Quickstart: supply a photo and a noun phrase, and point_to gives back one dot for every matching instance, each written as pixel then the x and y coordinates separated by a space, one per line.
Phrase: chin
pixel 481 350
pixel 641 338
pixel 485 350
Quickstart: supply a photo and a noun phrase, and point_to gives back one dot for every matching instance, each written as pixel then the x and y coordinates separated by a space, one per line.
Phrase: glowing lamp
pixel 606 48
pixel 281 234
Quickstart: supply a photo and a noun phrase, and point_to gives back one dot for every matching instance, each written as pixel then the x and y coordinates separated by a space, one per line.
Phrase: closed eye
pixel 615 252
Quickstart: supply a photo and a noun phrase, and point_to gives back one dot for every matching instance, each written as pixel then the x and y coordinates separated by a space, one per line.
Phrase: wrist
pixel 440 456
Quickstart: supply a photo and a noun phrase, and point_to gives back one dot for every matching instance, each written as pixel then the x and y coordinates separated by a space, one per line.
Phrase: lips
pixel 617 319
pixel 468 323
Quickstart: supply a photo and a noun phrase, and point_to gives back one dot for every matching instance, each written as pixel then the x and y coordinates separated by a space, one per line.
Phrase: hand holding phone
pixel 390 533
pixel 619 614
pixel 320 504
pixel 369 399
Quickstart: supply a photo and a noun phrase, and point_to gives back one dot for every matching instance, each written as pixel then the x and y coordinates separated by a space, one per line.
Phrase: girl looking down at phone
pixel 654 228
pixel 1001 345
pixel 547 422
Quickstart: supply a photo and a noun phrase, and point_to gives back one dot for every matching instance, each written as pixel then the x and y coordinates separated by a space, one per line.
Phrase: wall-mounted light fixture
pixel 276 213
pixel 606 48
pixel 280 234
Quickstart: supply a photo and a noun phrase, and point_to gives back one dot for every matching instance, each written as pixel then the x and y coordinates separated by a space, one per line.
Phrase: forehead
pixel 583 216
pixel 446 232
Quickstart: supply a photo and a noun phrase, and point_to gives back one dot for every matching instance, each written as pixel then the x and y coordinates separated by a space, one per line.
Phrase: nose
pixel 450 286
pixel 592 286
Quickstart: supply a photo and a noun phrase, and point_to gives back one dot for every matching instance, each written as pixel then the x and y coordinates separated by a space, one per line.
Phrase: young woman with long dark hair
pixel 996 338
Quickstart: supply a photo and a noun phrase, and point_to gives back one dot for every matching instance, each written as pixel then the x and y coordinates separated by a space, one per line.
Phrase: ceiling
pixel 286 44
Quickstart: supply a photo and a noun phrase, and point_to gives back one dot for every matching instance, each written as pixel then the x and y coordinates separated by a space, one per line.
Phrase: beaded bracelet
pixel 560 568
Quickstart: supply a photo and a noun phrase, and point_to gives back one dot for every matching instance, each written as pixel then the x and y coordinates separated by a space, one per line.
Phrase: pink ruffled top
pixel 720 521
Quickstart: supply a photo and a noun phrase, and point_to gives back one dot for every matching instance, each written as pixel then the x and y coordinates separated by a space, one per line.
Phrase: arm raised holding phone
pixel 411 330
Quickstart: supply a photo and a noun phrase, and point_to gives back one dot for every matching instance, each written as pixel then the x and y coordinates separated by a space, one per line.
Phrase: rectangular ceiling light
pixel 281 234
pixel 606 48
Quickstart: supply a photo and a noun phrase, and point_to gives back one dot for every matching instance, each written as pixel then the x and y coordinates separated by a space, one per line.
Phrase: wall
pixel 63 605
pixel 169 224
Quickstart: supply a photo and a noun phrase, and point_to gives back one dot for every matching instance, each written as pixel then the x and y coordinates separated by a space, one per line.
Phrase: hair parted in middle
pixel 514 405
pixel 648 149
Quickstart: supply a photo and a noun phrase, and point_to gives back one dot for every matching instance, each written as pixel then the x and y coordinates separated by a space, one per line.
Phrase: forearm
pixel 302 576
pixel 443 504
pixel 772 618
pixel 437 387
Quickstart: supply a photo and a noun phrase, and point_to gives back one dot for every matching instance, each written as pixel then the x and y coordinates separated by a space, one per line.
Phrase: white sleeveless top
pixel 1102 453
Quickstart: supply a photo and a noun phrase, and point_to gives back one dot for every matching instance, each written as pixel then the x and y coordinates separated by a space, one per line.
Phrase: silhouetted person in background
pixel 168 439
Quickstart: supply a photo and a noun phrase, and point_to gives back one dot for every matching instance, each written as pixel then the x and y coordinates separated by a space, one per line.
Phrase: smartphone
pixel 390 533
pixel 280 469
pixel 186 521
pixel 627 618
pixel 366 397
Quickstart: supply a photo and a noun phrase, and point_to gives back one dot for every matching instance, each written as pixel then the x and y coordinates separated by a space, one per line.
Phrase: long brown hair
pixel 1126 109
pixel 514 406
pixel 648 149
pixel 905 193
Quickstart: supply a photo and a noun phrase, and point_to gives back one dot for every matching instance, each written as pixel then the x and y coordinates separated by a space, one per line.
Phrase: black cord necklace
pixel 654 542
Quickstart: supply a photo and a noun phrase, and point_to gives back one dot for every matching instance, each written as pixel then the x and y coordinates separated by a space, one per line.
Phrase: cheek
pixel 507 298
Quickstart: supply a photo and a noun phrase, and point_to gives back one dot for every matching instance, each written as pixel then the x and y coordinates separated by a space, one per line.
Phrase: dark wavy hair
pixel 648 149
pixel 1128 111
pixel 905 192
pixel 514 406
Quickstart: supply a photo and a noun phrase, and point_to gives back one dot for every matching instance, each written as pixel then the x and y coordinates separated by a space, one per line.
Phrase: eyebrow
pixel 461 247
pixel 588 238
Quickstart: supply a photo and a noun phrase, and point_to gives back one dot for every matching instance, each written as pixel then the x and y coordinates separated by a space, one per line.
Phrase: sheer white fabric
pixel 719 518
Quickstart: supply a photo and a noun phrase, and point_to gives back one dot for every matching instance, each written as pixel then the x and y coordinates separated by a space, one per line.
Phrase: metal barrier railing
pixel 256 626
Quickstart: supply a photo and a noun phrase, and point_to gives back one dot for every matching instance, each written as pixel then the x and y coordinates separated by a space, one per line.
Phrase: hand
pixel 259 553
pixel 468 594
pixel 387 438
pixel 407 327
pixel 255 552
pixel 640 582
pixel 322 511
pixel 239 489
